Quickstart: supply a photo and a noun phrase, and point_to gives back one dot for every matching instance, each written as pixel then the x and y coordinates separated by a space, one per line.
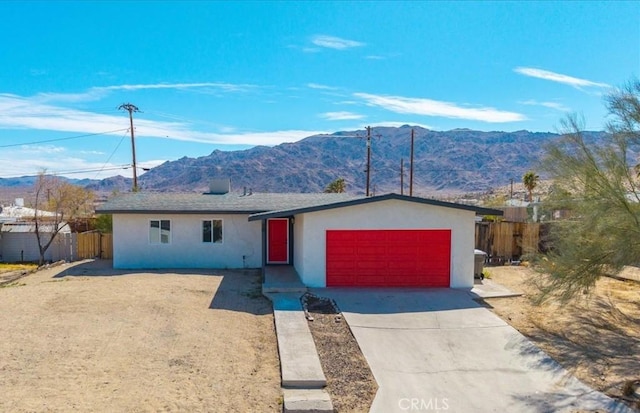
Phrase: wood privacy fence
pixel 508 240
pixel 94 245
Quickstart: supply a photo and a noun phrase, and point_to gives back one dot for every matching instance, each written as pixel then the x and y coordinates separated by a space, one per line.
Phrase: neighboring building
pixel 18 212
pixel 330 239
pixel 18 240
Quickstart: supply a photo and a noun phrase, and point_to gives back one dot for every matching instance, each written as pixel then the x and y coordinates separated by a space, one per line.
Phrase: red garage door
pixel 388 258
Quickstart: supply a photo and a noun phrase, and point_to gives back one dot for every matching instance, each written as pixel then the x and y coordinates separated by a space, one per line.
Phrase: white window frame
pixel 159 240
pixel 212 242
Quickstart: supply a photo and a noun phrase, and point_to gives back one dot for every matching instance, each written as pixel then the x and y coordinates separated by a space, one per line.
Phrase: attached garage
pixel 383 241
pixel 389 258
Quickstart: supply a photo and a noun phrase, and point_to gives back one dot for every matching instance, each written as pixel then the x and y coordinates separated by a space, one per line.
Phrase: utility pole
pixel 511 194
pixel 411 170
pixel 401 176
pixel 132 108
pixel 368 158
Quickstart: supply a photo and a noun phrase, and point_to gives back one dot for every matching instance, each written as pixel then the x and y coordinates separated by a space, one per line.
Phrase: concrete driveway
pixel 438 350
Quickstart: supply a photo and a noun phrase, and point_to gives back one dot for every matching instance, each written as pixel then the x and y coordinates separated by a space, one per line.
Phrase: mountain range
pixel 455 161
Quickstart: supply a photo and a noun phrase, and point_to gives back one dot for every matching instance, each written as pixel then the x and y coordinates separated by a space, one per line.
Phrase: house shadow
pixel 399 300
pixel 104 268
pixel 241 291
pixel 91 267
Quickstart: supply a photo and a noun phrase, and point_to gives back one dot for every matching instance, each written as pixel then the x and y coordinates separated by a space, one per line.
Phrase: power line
pixel 71 172
pixel 110 156
pixel 63 139
pixel 81 171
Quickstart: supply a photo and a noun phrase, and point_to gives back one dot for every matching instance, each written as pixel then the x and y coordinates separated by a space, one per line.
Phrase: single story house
pixel 330 239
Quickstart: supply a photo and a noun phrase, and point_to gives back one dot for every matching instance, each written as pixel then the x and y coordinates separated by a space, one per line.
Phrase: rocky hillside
pixel 450 162
pixel 460 160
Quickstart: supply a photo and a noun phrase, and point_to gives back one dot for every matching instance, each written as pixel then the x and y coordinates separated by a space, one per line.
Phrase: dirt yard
pixel 596 337
pixel 85 338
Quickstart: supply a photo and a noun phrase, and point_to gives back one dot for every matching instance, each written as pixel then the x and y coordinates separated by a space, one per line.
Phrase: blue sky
pixel 232 75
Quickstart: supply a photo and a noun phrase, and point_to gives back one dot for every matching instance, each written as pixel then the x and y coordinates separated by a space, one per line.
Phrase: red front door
pixel 278 241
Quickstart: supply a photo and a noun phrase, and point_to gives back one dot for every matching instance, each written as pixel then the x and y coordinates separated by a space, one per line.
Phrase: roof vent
pixel 219 186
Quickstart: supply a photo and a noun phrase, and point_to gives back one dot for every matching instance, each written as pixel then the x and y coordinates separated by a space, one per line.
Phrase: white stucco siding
pixel 240 247
pixel 298 247
pixel 310 246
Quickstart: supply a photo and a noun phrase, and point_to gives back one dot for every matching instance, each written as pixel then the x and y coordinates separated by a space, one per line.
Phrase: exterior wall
pixel 132 249
pixel 298 244
pixel 310 240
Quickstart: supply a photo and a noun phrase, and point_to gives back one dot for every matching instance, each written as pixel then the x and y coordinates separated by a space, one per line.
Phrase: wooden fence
pixel 94 245
pixel 508 240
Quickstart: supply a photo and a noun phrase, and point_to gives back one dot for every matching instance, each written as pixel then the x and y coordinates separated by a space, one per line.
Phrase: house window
pixel 159 231
pixel 212 231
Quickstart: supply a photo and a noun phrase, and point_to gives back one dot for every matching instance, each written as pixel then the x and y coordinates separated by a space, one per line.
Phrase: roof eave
pixel 294 211
pixel 178 211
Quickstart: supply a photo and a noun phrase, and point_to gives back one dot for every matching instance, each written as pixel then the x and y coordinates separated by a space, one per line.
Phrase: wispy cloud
pixel 99 92
pixel 321 87
pixel 62 164
pixel 551 105
pixel 337 43
pixel 429 107
pixel 557 77
pixel 42 149
pixel 375 57
pixel 66 162
pixel 340 116
pixel 30 113
pixel 229 87
pixel 91 153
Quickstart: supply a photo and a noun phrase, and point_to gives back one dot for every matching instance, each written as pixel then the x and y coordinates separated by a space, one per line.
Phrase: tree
pixel 338 186
pixel 55 202
pixel 597 181
pixel 104 223
pixel 530 181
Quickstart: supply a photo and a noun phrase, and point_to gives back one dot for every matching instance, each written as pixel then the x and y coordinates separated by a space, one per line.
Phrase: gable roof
pixel 259 206
pixel 230 203
pixel 363 200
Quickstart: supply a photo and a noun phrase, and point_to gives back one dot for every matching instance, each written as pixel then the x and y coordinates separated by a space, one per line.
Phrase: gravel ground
pixel 350 382
pixel 87 338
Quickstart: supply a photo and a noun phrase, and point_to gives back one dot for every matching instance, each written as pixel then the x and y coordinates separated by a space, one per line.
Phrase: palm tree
pixel 336 187
pixel 530 181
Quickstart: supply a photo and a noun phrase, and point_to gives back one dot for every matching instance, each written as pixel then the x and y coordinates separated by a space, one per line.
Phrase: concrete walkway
pixel 439 350
pixel 282 279
pixel 488 289
pixel 299 359
pixel 303 380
